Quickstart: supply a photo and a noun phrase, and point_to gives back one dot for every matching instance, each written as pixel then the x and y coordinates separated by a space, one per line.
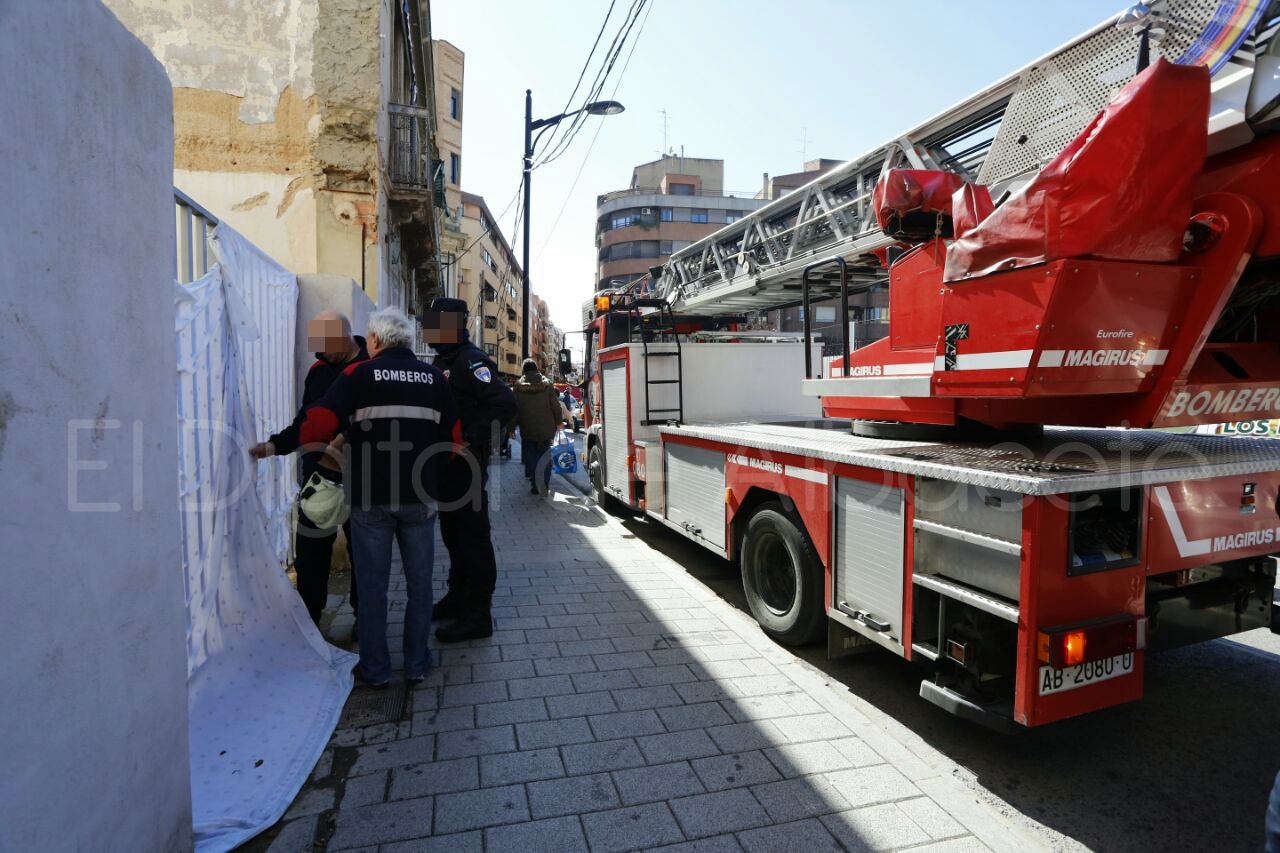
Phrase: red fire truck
pixel 1092 243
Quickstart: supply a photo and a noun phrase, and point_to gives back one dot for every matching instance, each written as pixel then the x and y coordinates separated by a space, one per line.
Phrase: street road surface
pixel 1187 768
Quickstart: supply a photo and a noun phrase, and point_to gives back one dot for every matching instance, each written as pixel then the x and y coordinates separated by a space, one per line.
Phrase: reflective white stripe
pixel 1051 358
pixel 805 474
pixel 1155 356
pixel 421 413
pixel 988 360
pixel 910 369
pixel 1186 548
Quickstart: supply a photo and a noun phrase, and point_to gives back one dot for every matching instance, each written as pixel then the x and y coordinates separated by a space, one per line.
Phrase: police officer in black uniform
pixel 485 407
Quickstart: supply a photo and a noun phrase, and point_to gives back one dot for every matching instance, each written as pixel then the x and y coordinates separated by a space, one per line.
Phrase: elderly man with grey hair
pixel 329 336
pixel 400 424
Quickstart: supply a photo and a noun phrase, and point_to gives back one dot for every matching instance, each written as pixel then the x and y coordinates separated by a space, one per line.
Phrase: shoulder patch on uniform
pixel 482 373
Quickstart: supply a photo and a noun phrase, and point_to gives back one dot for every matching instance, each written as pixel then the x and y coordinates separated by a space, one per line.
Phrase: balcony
pixel 409 159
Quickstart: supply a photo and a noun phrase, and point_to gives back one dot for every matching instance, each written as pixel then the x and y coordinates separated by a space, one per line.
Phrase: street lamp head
pixel 604 108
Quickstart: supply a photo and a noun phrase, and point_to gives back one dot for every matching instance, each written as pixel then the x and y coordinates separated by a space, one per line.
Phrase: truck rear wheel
pixel 782 577
pixel 595 474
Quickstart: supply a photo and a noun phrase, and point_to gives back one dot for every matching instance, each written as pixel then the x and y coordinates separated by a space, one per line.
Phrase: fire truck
pixel 1082 264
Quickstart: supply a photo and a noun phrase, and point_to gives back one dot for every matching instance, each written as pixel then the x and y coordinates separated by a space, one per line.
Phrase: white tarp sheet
pixel 264 689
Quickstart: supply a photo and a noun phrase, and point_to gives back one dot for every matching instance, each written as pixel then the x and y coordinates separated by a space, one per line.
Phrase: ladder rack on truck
pixel 1047 263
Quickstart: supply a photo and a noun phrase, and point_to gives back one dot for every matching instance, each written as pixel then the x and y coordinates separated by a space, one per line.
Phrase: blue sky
pixel 743 81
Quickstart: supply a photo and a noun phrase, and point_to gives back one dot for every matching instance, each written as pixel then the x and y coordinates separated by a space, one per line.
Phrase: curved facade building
pixel 671 203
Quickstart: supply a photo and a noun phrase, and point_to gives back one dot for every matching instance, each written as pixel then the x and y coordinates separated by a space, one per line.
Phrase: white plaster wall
pixel 93 719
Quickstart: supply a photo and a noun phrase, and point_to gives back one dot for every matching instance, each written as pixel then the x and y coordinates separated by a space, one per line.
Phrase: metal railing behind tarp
pixel 264 689
pixel 410 159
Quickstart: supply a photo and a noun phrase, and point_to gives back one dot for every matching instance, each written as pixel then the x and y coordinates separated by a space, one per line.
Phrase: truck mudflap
pixel 966 709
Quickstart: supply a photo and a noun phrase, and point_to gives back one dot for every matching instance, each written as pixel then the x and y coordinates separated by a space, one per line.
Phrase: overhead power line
pixel 583 73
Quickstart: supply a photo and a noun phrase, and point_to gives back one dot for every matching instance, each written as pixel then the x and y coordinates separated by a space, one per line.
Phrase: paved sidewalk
pixel 620 705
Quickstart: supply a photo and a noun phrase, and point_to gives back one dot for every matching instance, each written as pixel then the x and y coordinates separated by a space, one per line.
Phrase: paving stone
pixel 819 756
pixel 455 655
pixel 553 635
pixel 700 716
pixel 591 682
pixel 461 842
pixel 737 770
pixel 795 799
pixel 553 732
pixel 364 790
pixel 477 809
pixel 810 727
pixel 706 691
pixel 931 817
pixel 581 704
pixel 737 737
pixel 473 694
pixel 807 835
pixel 625 724
pixel 878 784
pixel 636 698
pixel 659 782
pixel 542 685
pixel 858 752
pixel 515 767
pixel 723 811
pixel 875 828
pixel 747 708
pixel 395 754
pixel 558 834
pixel 714 844
pixel 677 746
pixel 502 671
pixel 673 674
pixel 574 795
pixel 968 844
pixel 672 657
pixel 565 666
pixel 324 766
pixel 634 828
pixel 586 647
pixel 599 757
pixel 476 742
pixel 297 836
pixel 631 643
pixel 444 719
pixel 621 660
pixel 381 823
pixel 310 801
pixel 512 711
pixel 435 777
pixel 530 651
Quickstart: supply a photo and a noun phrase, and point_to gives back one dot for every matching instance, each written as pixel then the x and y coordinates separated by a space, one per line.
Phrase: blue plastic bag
pixel 564 456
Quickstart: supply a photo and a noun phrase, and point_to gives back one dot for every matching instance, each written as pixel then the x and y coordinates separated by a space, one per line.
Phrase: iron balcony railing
pixel 411 162
pixel 193 257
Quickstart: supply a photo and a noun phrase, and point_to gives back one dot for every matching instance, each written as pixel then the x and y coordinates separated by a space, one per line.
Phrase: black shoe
pixel 372 685
pixel 449 607
pixel 414 680
pixel 533 489
pixel 473 627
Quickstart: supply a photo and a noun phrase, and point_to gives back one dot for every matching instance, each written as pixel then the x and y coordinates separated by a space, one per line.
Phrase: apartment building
pixel 488 278
pixel 310 128
pixel 671 202
pixel 546 339
pixel 450 65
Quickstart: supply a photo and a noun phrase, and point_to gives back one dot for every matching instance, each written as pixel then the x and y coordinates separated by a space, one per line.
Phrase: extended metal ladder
pixel 999 137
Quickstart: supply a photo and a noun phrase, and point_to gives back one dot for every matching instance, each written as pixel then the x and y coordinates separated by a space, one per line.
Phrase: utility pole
pixel 524 267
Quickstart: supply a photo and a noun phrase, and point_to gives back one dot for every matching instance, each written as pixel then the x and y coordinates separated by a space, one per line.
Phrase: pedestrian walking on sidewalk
pixel 401 423
pixel 486 407
pixel 541 414
pixel 329 334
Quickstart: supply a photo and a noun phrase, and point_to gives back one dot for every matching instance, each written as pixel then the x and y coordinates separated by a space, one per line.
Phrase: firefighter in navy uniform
pixel 485 407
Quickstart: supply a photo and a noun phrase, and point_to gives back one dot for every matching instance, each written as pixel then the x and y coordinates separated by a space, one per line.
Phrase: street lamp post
pixel 596 108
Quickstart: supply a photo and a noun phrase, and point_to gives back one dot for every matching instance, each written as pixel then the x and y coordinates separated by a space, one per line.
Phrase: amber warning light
pixel 602 303
pixel 1071 645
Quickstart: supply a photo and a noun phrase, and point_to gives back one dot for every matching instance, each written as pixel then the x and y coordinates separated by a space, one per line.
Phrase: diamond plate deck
pixel 1060 462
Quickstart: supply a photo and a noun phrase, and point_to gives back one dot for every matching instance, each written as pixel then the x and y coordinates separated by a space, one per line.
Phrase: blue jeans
pixel 413 528
pixel 534 454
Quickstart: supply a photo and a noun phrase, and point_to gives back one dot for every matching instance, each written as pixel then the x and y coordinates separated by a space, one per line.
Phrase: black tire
pixel 595 474
pixel 782 577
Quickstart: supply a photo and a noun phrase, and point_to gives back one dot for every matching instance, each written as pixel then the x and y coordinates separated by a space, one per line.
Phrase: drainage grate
pixel 366 707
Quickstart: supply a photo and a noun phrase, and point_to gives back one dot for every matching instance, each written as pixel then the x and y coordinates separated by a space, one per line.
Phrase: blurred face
pixel 326 336
pixel 442 327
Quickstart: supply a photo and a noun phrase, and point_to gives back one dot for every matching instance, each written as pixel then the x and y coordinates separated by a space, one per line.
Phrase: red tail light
pixel 1069 645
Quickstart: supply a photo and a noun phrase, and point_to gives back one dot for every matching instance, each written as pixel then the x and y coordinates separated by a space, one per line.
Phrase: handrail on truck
pixel 808 319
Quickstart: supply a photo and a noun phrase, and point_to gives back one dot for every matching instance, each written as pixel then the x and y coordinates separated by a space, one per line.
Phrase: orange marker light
pixel 602 303
pixel 1073 648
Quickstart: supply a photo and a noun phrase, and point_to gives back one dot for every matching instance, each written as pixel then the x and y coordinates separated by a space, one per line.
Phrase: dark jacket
pixel 483 398
pixel 540 412
pixel 401 425
pixel 319 377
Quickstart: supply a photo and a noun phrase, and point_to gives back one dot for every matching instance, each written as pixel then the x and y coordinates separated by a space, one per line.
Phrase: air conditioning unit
pixel 646 211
